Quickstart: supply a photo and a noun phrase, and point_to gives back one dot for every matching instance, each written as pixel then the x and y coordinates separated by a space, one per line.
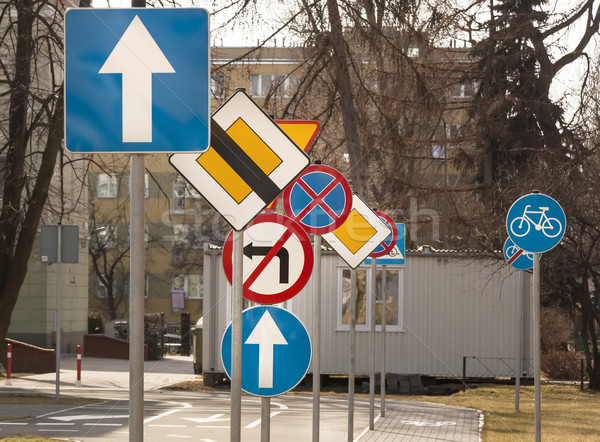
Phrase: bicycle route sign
pixel 276 351
pixel 516 257
pixel 319 200
pixel 536 223
pixel 278 259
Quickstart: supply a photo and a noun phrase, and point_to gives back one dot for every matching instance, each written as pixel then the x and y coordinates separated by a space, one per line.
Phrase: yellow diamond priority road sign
pixel 360 234
pixel 250 161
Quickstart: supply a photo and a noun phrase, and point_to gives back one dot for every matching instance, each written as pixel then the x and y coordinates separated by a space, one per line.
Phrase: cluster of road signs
pixel 133 85
pixel 535 224
pixel 277 264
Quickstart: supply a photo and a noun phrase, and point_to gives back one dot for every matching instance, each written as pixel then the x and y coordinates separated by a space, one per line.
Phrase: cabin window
pixel 393 298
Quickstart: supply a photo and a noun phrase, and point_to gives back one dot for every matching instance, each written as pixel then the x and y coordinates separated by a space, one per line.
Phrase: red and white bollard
pixel 78 383
pixel 8 363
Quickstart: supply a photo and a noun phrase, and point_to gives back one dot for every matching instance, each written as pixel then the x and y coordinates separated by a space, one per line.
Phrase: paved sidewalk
pixel 422 421
pixel 108 374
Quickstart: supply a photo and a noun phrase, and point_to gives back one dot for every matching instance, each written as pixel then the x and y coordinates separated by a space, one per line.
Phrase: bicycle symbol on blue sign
pixel 535 223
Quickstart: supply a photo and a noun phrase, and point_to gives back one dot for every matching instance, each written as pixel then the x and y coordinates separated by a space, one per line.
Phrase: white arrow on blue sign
pixel 276 351
pixel 137 80
pixel 536 223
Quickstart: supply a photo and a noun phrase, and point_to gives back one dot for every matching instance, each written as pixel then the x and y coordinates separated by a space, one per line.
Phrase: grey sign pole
pixel 316 340
pixel 383 337
pixel 265 419
pixel 536 346
pixel 373 343
pixel 351 362
pixel 59 244
pixel 236 336
pixel 58 340
pixel 137 266
pixel 519 343
pixel 136 298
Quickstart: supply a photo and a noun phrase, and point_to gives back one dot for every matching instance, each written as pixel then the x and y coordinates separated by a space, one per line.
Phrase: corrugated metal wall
pixel 452 306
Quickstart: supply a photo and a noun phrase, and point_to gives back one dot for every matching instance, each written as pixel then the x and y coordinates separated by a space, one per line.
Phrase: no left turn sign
pixel 278 259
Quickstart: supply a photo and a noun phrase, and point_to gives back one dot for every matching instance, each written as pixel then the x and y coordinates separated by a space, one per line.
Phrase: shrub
pixel 563 365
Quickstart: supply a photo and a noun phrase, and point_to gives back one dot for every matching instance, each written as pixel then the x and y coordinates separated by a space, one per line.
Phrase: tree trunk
pixel 16 269
pixel 358 161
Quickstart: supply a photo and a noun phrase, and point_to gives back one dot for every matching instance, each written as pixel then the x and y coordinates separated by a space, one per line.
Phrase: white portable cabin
pixel 449 314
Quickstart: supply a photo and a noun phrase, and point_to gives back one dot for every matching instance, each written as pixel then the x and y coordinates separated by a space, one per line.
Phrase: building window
pixel 107 186
pixel 106 237
pixel 448 136
pixel 191 284
pixel 183 191
pixel 217 85
pixel 393 301
pixel 438 152
pixel 344 282
pixel 102 290
pixel 195 286
pixel 466 89
pixel 275 85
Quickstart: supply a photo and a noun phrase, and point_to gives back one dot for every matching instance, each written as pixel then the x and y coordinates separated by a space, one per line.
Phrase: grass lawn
pixel 28 439
pixel 20 399
pixel 14 399
pixel 568 414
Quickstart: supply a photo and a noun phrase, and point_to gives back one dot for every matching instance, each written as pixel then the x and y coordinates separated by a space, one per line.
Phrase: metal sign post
pixel 519 343
pixel 536 346
pixel 58 340
pixel 351 361
pixel 383 336
pixel 373 343
pixel 236 336
pixel 265 419
pixel 59 244
pixel 317 339
pixel 137 266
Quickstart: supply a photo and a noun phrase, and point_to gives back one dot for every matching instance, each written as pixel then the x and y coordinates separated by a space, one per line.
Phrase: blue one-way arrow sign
pixel 137 80
pixel 276 351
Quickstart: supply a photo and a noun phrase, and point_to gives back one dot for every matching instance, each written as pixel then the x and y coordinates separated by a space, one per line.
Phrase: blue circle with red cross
pixel 319 200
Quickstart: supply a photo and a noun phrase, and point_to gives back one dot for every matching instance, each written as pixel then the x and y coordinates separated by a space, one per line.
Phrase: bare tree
pixel 32 125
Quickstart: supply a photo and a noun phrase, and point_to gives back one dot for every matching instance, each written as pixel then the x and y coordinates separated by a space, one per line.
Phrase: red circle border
pixel 304 276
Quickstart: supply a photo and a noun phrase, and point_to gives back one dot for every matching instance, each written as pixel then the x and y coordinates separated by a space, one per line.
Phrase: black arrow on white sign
pixel 284 259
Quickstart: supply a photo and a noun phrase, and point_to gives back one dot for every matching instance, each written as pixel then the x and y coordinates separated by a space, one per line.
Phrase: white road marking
pixel 257 422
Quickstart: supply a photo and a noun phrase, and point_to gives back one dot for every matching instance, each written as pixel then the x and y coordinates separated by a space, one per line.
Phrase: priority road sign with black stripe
pixel 278 259
pixel 250 161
